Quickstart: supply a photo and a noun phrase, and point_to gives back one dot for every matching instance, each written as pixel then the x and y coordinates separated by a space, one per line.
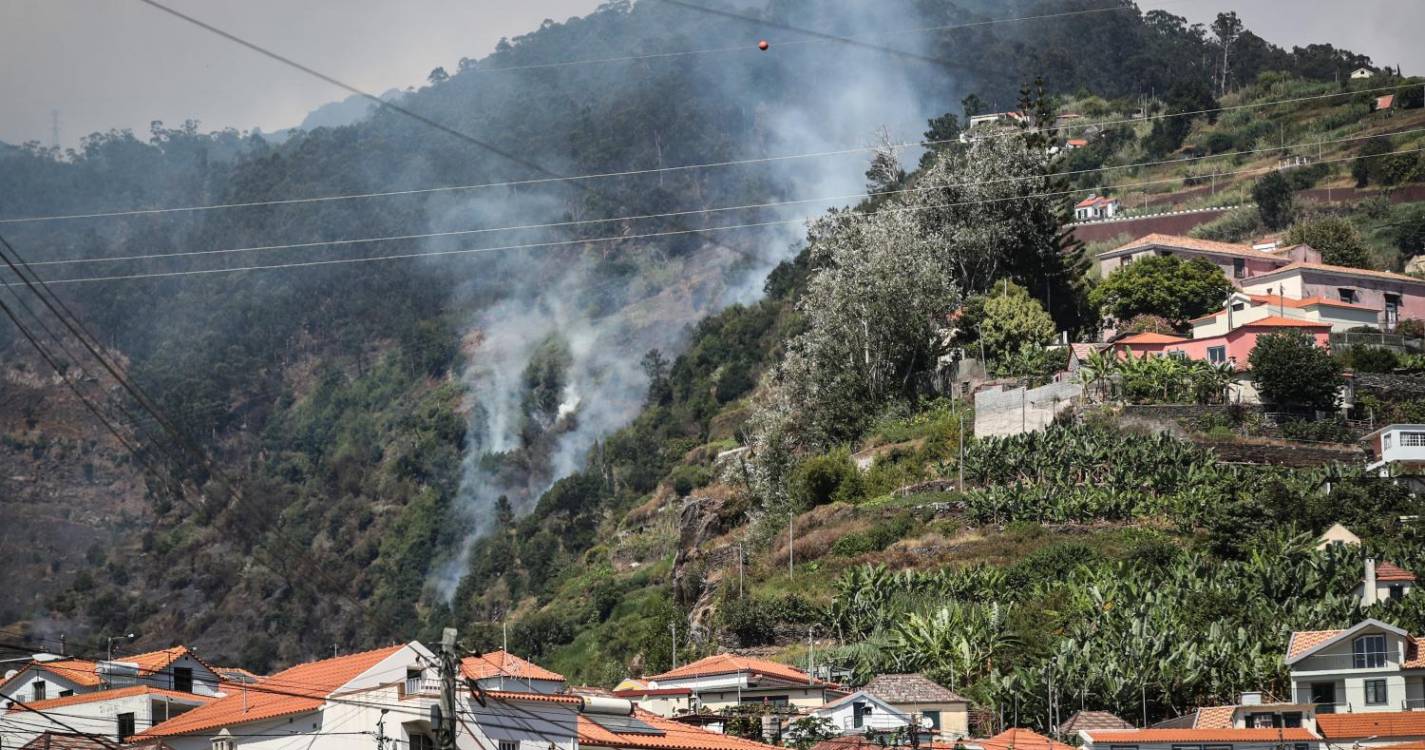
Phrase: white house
pixel 862 713
pixel 1369 667
pixel 919 697
pixel 499 670
pixel 667 702
pixel 1241 308
pixel 1337 534
pixel 1360 73
pixel 117 714
pixel 1383 581
pixel 1396 449
pixel 727 680
pixel 1095 207
pixel 50 676
pixel 388 695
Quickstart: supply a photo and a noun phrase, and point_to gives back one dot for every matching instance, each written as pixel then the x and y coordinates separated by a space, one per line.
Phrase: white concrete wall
pixel 1016 410
pixel 93 717
pixel 21 686
pixel 843 716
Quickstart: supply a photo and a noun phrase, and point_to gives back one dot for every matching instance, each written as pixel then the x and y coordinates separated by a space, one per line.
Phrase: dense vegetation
pixel 341 397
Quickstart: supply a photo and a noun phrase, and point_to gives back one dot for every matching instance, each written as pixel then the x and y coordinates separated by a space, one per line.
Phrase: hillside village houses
pixel 1095 206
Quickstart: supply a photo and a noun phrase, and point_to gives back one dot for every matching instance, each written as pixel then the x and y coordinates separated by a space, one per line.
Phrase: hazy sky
pixel 119 63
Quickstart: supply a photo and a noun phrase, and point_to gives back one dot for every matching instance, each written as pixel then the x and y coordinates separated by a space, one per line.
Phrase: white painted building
pixel 117 714
pixel 49 676
pixel 862 713
pixel 1396 445
pixel 1371 666
pixel 1384 581
pixel 727 680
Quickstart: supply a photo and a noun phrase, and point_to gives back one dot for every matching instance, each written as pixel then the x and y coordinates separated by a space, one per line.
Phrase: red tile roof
pixel 1214 717
pixel 1340 270
pixel 1171 241
pixel 516 695
pixel 1385 102
pixel 1020 739
pixel 1078 142
pixel 1304 641
pixel 108 695
pixel 1151 338
pixel 651 692
pixel 675 736
pixel 81 672
pixel 498 663
pixel 1094 200
pixel 303 688
pixel 1417 745
pixel 1276 300
pixel 719 664
pixel 1100 720
pixel 1389 571
pixel 1165 736
pixel 68 741
pixel 1277 321
pixel 1338 727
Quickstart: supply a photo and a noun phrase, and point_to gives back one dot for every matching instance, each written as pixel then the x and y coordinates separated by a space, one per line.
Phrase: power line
pixel 698 211
pixel 657 170
pixel 620 238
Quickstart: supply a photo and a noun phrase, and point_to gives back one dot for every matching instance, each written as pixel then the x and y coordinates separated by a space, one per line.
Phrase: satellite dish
pixel 926 723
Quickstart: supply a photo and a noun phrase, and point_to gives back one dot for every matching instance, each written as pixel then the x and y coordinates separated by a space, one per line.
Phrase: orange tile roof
pixel 1151 338
pixel 1303 641
pixel 1277 321
pixel 518 695
pixel 1342 270
pixel 1020 739
pixel 1189 243
pixel 1165 736
pixel 676 736
pixel 732 664
pixel 498 663
pixel 1214 717
pixel 1418 745
pixel 1371 724
pixel 106 695
pixel 1276 300
pixel 304 687
pixel 1389 571
pixel 81 672
pixel 1414 655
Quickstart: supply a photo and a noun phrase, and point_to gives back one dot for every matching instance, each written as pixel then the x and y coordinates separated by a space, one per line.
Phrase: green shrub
pixel 1318 430
pixel 686 478
pixel 876 538
pixel 1363 358
pixel 1233 226
pixel 832 477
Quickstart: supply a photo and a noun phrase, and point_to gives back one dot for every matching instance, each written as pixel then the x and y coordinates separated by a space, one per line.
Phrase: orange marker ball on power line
pixel 763 45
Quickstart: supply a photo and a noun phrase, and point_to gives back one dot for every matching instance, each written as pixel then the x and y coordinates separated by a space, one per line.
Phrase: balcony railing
pixel 421 686
pixel 1414 704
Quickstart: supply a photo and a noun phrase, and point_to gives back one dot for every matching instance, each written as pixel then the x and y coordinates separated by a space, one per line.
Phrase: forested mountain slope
pixel 376 417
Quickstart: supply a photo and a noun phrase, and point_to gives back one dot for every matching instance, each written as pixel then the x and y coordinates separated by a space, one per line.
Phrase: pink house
pixel 1396 295
pixel 1234 346
pixel 1237 262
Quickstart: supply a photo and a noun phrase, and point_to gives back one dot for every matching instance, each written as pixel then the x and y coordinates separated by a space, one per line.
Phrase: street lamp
pixel 113 638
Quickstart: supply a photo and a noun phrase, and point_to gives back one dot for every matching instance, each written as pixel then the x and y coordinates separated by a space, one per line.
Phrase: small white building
pixel 1337 534
pixel 1385 581
pixel 862 713
pixel 1095 207
pixel 727 680
pixel 1360 73
pixel 117 714
pixel 51 676
pixel 1396 449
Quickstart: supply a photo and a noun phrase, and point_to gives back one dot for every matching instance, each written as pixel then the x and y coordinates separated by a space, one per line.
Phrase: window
pixel 1375 693
pixel 183 679
pixel 508 745
pixel 1263 721
pixel 1323 692
pixel 1239 306
pixel 1239 268
pixel 426 742
pixel 1187 747
pixel 126 726
pixel 1292 720
pixel 1385 441
pixel 1178 354
pixel 1368 652
pixel 67 693
pixel 1216 747
pixel 1412 439
pixel 1397 591
pixel 223 743
pixel 1392 311
pixel 1216 354
pixel 1346 294
pixel 934 717
pixel 1122 747
pixel 37 690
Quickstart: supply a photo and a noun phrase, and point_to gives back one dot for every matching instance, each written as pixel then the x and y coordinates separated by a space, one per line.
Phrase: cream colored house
pixel 1242 308
pixel 728 680
pixel 917 696
pixel 1337 534
pixel 669 702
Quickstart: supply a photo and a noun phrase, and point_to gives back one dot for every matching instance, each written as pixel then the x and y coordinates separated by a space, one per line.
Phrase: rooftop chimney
pixel 1251 698
pixel 1368 594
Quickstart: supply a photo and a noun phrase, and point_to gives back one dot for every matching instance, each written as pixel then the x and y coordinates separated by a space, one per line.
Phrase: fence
pixel 1015 410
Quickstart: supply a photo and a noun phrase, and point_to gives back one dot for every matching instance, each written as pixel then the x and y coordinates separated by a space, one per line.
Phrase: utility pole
pixel 961 467
pixel 381 730
pixel 448 666
pixel 791 546
pixel 740 554
pixel 673 626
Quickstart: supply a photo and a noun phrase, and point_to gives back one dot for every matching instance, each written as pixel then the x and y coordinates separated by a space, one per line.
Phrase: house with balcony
pixel 863 713
pixel 728 680
pixel 1371 666
pixel 1252 711
pixel 1397 450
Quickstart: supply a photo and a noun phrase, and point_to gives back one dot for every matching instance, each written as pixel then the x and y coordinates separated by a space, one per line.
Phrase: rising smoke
pixel 844 96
